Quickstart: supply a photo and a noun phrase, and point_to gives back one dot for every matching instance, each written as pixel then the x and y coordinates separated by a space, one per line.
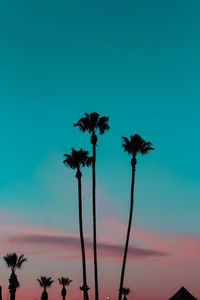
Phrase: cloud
pixel 167 248
pixel 68 243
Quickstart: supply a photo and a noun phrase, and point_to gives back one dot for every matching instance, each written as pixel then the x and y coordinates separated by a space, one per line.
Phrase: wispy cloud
pixel 106 251
pixel 168 248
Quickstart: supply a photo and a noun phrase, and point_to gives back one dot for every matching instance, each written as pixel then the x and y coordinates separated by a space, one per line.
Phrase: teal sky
pixel 134 61
pixel 137 62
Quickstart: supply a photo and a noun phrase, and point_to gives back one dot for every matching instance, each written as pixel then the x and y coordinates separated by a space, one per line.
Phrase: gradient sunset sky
pixel 138 63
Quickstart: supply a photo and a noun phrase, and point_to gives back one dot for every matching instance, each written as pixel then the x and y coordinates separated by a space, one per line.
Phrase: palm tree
pixel 64 282
pixel 133 146
pixel 76 161
pixel 84 289
pixel 14 262
pixel 93 123
pixel 45 282
pixel 125 292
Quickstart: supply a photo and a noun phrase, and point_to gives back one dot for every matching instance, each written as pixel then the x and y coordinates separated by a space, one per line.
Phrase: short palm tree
pixel 125 292
pixel 84 289
pixel 133 146
pixel 76 160
pixel 14 262
pixel 64 282
pixel 45 282
pixel 93 123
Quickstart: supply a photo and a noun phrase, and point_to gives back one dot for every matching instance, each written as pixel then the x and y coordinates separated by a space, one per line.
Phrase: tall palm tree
pixel 125 292
pixel 133 146
pixel 45 282
pixel 14 262
pixel 94 123
pixel 64 282
pixel 76 160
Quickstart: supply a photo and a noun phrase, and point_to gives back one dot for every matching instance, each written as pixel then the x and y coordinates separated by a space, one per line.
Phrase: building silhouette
pixel 182 294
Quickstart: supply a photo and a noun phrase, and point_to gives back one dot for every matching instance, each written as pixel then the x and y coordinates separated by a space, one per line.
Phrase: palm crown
pixel 13 261
pixel 84 288
pixel 45 281
pixel 136 144
pixel 77 159
pixel 64 281
pixel 125 291
pixel 92 122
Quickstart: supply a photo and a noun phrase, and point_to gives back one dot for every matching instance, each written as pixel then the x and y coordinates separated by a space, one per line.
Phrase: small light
pixel 108 298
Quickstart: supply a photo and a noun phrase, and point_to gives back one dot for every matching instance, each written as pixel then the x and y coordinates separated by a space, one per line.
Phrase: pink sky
pixel 159 263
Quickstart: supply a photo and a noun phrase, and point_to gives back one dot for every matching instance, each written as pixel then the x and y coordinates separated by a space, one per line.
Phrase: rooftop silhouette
pixel 182 294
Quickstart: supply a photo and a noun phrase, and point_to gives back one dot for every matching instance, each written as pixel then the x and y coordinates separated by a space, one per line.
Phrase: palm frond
pixel 103 124
pixel 10 260
pixel 70 162
pixel 83 123
pixel 45 281
pixel 126 143
pixel 78 159
pixel 84 288
pixel 21 260
pixel 94 119
pixel 89 161
pixel 13 261
pixel 40 282
pixel 146 147
pixel 64 281
pixel 136 144
pixel 92 122
pixel 50 282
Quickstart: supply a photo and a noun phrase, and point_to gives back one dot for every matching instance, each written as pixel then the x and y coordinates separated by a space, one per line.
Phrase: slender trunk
pixel 94 219
pixel 63 293
pixel 133 163
pixel 44 294
pixel 63 297
pixel 86 297
pixel 13 284
pixel 12 296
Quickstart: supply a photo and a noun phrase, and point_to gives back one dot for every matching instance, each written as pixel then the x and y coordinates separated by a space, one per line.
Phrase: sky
pixel 138 63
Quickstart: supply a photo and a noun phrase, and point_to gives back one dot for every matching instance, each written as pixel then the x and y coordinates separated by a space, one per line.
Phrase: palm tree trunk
pixel 44 294
pixel 63 293
pixel 86 297
pixel 94 221
pixel 133 163
pixel 13 283
pixel 12 296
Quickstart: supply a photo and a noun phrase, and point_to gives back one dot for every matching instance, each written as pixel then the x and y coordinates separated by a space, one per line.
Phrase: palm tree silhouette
pixel 14 262
pixel 125 292
pixel 76 161
pixel 93 123
pixel 64 282
pixel 45 282
pixel 133 146
pixel 84 289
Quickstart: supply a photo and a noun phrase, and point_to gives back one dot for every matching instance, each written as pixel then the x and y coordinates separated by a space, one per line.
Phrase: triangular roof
pixel 182 294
